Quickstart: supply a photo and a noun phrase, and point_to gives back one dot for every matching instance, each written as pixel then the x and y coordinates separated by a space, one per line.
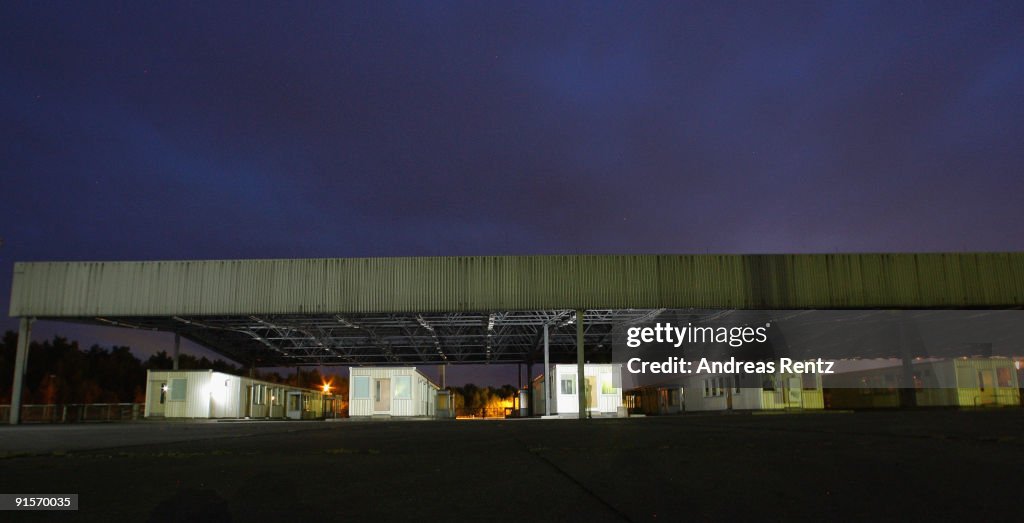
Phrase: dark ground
pixel 911 465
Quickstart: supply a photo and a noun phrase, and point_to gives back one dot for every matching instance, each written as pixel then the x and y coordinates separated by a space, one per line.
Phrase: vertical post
pixel 517 401
pixel 20 366
pixel 547 373
pixel 177 349
pixel 444 367
pixel 907 390
pixel 529 388
pixel 581 389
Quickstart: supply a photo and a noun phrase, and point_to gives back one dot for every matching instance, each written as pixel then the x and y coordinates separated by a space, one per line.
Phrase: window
pixel 178 389
pixel 568 382
pixel 810 381
pixel 707 388
pixel 607 386
pixel 736 382
pixel 918 381
pixel 403 387
pixel 259 394
pixel 361 387
pixel 1003 378
pixel 768 383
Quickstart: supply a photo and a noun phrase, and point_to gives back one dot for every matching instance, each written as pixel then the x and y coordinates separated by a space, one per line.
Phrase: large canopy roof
pixel 486 308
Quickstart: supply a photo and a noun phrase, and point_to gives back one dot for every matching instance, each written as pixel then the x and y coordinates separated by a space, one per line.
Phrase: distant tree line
pixel 59 371
pixel 470 397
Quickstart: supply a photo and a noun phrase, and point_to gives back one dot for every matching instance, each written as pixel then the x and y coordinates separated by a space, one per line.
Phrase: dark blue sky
pixel 239 130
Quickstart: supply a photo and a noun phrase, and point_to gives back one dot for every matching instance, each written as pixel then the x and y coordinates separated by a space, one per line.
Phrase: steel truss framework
pixel 397 339
pixel 517 336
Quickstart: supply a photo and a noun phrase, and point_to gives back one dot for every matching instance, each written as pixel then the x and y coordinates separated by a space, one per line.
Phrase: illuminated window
pixel 178 390
pixel 403 387
pixel 361 387
pixel 568 382
pixel 607 386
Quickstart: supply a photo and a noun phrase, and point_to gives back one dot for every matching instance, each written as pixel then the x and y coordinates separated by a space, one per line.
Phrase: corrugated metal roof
pixel 491 283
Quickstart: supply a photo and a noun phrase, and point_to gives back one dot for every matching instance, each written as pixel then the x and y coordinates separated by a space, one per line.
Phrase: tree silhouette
pixel 59 371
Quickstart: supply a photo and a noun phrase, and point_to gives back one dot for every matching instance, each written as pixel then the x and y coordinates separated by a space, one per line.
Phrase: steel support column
pixel 529 388
pixel 547 373
pixel 177 350
pixel 907 390
pixel 581 389
pixel 20 366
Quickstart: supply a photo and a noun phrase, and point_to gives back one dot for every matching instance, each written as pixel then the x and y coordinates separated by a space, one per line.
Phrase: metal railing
pixel 76 412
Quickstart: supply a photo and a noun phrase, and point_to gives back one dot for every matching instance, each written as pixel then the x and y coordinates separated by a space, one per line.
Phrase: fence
pixel 491 413
pixel 76 412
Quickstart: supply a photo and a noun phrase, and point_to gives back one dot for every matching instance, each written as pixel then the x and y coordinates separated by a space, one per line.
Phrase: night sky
pixel 148 131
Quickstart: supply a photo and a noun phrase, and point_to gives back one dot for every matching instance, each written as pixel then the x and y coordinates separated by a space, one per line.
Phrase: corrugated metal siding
pixel 968 392
pixel 569 403
pixel 413 406
pixel 197 393
pixel 209 397
pixel 749 398
pixel 951 383
pixel 483 283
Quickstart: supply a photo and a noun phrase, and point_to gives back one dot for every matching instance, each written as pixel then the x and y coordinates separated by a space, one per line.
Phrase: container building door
pixel 591 384
pixel 157 398
pixel 294 405
pixel 382 395
pixel 796 392
pixel 986 388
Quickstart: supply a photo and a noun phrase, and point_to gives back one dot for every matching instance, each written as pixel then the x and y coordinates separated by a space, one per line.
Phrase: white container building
pixel 704 392
pixel 390 392
pixel 961 382
pixel 603 390
pixel 211 394
pixel 653 400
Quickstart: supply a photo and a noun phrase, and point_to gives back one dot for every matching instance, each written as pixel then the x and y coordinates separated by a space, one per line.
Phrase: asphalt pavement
pixel 897 465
